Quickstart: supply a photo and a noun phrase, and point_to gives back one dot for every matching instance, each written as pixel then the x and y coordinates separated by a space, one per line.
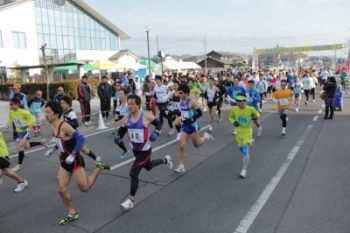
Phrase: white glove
pixel 7 128
pixel 49 153
pixel 70 159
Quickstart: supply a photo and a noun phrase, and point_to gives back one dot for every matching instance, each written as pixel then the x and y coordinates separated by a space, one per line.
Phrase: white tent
pixel 170 64
pixel 188 65
pixel 129 65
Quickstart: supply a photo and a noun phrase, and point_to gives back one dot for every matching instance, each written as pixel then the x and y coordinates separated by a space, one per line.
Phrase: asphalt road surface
pixel 297 183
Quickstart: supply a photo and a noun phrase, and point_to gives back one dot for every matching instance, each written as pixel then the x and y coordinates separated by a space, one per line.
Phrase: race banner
pixel 311 48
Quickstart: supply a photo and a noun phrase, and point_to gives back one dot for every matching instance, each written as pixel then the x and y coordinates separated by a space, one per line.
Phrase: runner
pixel 252 100
pixel 70 142
pixel 261 86
pixel 174 110
pixel 190 112
pixel 136 124
pixel 297 87
pixel 222 95
pixel 5 164
pixel 204 87
pixel 161 97
pixel 308 83
pixel 241 117
pixel 35 104
pixel 70 117
pixel 23 121
pixel 283 98
pixel 213 96
pixel 232 92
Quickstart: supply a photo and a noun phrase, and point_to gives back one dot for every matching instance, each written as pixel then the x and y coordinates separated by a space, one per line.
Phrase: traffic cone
pixel 101 124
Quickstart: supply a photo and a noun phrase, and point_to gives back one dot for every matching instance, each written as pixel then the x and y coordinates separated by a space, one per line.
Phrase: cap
pixel 170 84
pixel 216 79
pixel 17 86
pixel 240 97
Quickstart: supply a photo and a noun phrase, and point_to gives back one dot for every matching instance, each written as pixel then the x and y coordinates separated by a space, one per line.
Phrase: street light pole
pixel 148 29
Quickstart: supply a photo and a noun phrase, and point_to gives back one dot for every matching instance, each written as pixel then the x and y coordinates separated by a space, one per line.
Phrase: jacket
pixel 21 96
pixel 104 91
pixel 330 88
pixel 35 104
pixel 84 92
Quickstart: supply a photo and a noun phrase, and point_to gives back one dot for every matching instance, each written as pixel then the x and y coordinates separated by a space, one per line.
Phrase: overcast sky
pixel 228 25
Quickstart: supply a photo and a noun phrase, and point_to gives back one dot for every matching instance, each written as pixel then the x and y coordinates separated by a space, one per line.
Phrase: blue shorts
pixel 22 134
pixel 296 95
pixel 190 128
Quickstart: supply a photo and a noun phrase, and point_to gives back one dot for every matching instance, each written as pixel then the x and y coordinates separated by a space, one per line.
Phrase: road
pixel 297 183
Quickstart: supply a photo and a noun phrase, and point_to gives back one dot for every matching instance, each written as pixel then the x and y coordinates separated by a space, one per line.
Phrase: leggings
pixel 284 120
pixel 171 117
pixel 310 92
pixel 162 108
pixel 143 160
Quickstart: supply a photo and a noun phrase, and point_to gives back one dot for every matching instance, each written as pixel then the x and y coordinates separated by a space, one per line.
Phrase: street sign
pixel 2 69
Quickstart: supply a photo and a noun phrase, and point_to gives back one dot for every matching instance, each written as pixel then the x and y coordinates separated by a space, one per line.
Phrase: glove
pixel 7 128
pixel 254 118
pixel 235 123
pixel 70 159
pixel 153 136
pixel 49 153
pixel 24 127
pixel 117 140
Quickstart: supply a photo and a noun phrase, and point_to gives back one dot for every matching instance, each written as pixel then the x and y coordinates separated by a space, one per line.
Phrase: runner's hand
pixel 49 153
pixel 7 128
pixel 70 159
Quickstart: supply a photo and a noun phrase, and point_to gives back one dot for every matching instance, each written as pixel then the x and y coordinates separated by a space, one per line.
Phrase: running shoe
pixel 171 132
pixel 17 139
pixel 168 161
pixel 125 153
pixel 210 129
pixel 306 102
pixel 234 132
pixel 69 218
pixel 220 117
pixel 297 110
pixel 114 132
pixel 259 131
pixel 17 168
pixel 1 178
pixel 44 143
pixel 127 205
pixel 178 136
pixel 103 166
pixel 86 123
pixel 208 136
pixel 180 169
pixel 313 101
pixel 21 186
pixel 243 173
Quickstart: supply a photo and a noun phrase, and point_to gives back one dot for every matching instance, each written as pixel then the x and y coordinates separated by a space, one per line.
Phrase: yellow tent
pixel 105 65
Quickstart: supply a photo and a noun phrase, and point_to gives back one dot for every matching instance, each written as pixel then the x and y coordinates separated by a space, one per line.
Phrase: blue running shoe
pixel 124 154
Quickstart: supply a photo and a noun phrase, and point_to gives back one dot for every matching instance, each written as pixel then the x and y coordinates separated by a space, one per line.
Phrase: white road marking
pixel 319 111
pixel 153 150
pixel 254 211
pixel 315 118
pixel 49 145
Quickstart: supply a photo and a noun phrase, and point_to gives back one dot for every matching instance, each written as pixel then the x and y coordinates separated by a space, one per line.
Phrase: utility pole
pixel 47 71
pixel 205 53
pixel 158 47
pixel 148 29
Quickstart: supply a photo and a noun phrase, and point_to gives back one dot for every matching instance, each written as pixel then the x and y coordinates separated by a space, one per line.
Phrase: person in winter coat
pixel 147 90
pixel 84 98
pixel 60 93
pixel 339 98
pixel 35 104
pixel 330 88
pixel 105 93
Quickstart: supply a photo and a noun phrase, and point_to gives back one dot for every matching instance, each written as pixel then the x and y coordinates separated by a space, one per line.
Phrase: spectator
pixel 84 98
pixel 125 80
pixel 147 90
pixel 105 93
pixel 60 93
pixel 35 104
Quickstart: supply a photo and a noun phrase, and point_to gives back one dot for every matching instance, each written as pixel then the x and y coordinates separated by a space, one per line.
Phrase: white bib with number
pixel 59 144
pixel 136 135
pixel 283 102
pixel 18 122
pixel 176 105
pixel 184 115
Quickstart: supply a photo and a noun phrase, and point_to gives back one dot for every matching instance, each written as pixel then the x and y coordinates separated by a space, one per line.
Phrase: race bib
pixel 184 115
pixel 136 135
pixel 161 97
pixel 176 105
pixel 283 102
pixel 249 99
pixel 297 91
pixel 18 122
pixel 307 82
pixel 234 94
pixel 260 89
pixel 59 144
pixel 244 120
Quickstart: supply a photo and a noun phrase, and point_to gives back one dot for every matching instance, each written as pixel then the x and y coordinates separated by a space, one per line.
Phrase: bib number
pixel 184 115
pixel 283 102
pixel 176 105
pixel 136 135
pixel 18 122
pixel 243 120
pixel 261 89
pixel 297 91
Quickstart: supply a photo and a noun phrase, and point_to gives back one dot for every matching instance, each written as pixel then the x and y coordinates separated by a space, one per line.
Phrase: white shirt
pixel 162 93
pixel 308 83
pixel 324 75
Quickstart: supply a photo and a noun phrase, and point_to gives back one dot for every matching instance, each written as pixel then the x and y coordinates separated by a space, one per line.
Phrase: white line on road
pixel 49 145
pixel 250 217
pixel 319 111
pixel 315 118
pixel 153 150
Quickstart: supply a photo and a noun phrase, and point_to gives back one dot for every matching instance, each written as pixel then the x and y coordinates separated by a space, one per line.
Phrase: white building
pixel 71 29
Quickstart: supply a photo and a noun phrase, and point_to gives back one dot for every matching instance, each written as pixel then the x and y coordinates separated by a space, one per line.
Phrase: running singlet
pixel 21 118
pixel 123 109
pixel 69 117
pixel 175 103
pixel 211 94
pixel 3 147
pixel 138 134
pixel 186 112
pixel 297 89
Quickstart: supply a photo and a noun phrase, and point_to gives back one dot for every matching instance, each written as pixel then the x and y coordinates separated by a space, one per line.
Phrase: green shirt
pixel 194 93
pixel 344 76
pixel 3 147
pixel 204 86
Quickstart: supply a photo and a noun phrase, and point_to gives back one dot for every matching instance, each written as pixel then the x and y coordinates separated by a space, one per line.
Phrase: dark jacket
pixel 84 92
pixel 330 88
pixel 105 91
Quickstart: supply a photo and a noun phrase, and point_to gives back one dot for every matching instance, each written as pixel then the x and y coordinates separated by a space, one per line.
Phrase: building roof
pixel 102 19
pixel 225 62
pixel 121 53
pixel 88 9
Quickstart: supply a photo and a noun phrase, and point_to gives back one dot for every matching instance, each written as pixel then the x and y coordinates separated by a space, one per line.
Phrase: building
pixel 71 29
pixel 226 60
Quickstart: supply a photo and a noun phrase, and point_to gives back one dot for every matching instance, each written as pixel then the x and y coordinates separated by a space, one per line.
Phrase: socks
pixel 20 157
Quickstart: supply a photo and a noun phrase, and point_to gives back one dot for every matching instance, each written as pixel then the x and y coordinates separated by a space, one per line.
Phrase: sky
pixel 234 26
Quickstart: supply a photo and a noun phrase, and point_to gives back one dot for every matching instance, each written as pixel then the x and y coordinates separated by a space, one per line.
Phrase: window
pixel 1 45
pixel 19 40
